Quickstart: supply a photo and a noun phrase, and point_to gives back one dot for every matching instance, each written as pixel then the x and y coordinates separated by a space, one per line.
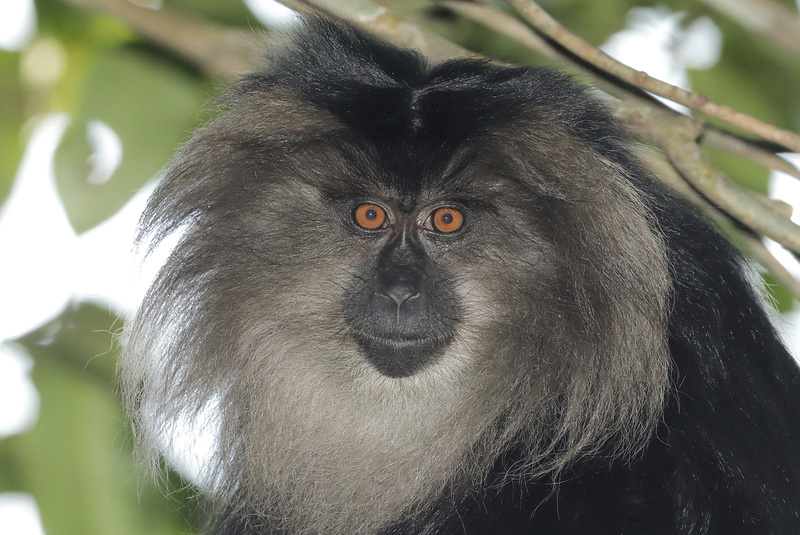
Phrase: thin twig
pixel 770 19
pixel 698 102
pixel 222 52
pixel 504 24
pixel 741 147
pixel 382 22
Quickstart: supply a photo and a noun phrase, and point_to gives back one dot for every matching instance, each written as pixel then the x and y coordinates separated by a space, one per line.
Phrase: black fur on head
pixel 367 376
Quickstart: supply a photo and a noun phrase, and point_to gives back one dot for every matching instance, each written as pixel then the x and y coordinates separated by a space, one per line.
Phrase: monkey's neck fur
pixel 344 449
pixel 354 455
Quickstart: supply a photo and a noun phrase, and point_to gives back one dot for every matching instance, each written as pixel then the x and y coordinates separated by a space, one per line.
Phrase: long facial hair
pixel 560 288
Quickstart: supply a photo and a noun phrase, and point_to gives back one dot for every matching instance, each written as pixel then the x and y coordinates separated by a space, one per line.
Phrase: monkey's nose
pixel 399 294
pixel 400 303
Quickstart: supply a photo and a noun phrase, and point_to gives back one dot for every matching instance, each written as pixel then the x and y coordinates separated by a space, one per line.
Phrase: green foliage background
pixel 76 461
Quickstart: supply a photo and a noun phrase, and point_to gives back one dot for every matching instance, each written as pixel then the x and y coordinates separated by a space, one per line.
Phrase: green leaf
pixel 235 12
pixel 151 103
pixel 12 101
pixel 76 461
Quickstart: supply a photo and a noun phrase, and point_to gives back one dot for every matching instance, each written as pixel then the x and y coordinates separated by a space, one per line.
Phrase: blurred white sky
pixel 45 264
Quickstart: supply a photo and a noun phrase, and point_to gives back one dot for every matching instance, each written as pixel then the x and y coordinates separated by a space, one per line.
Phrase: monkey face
pixel 433 271
pixel 402 281
pixel 401 309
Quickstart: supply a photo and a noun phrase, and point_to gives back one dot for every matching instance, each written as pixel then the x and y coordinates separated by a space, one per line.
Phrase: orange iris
pixel 370 216
pixel 447 220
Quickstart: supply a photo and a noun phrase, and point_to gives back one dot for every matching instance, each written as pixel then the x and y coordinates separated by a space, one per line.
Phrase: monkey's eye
pixel 370 216
pixel 444 220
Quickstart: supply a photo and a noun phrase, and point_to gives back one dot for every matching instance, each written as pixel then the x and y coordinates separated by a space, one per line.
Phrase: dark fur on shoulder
pixel 583 354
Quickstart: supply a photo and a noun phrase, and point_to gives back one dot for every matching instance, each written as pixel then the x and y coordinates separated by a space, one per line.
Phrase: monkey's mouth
pixel 397 356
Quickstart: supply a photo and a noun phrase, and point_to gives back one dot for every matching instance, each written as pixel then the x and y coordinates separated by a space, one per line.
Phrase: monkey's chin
pixel 401 357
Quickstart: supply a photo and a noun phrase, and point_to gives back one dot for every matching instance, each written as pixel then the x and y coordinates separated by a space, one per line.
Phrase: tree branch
pixel 552 29
pixel 678 138
pixel 658 162
pixel 511 27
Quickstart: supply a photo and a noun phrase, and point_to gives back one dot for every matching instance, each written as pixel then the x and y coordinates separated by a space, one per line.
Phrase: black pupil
pixel 371 214
pixel 447 218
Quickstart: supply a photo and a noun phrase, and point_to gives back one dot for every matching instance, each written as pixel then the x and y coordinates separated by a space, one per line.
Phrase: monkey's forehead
pixel 415 114
pixel 395 93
